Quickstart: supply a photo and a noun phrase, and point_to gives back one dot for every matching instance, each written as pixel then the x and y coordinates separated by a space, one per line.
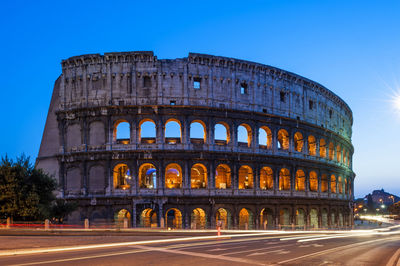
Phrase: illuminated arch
pixel 244 134
pixel 314 218
pixel 121 176
pixel 198 219
pixel 245 177
pixel 338 153
pixel 283 140
pixel 312 145
pixel 333 184
pixel 324 183
pixel 122 132
pixel 223 177
pixel 246 219
pixel 331 151
pixel 284 179
pixel 198 176
pixel 173 131
pixel 148 218
pixel 284 217
pixel 198 132
pixel 147 176
pixel 266 219
pixel 322 148
pixel 173 176
pixel 340 185
pixel 147 131
pixel 120 216
pixel 173 218
pixel 298 142
pixel 300 180
pixel 223 218
pixel 313 181
pixel 221 133
pixel 300 218
pixel 324 218
pixel 265 137
pixel 266 178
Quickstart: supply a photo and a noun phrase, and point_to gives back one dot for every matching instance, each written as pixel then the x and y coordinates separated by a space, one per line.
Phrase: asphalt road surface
pixel 295 248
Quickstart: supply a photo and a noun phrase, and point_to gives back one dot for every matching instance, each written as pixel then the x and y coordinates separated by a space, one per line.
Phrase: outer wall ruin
pixel 298 174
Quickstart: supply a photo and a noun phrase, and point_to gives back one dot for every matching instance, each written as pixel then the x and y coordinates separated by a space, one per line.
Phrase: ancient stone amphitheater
pixel 197 142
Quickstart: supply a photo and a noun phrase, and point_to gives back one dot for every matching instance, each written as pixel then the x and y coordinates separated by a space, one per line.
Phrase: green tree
pixel 26 193
pixel 61 208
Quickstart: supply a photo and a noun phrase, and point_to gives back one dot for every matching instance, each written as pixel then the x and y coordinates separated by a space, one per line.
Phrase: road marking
pixel 203 255
pixel 256 249
pixel 394 260
pixel 301 237
pixel 331 237
pixel 80 258
pixel 279 251
pixel 217 249
pixel 331 250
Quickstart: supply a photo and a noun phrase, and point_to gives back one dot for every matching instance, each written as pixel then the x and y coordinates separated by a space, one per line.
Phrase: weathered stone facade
pixel 301 176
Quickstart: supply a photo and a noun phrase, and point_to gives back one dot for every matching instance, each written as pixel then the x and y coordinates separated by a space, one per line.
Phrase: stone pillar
pixel 160 215
pixel 274 132
pixel 134 216
pixel 210 130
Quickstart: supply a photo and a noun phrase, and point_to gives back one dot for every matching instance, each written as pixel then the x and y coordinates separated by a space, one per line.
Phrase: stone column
pixel 134 218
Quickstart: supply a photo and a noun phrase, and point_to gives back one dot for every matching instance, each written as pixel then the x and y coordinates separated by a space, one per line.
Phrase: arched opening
pixel 344 156
pixel 223 218
pixel 122 132
pixel 340 185
pixel 245 219
pixel 148 218
pixel 333 184
pixel 340 220
pixel 284 217
pixel 265 137
pixel 322 148
pixel 283 140
pixel 245 177
pixel 198 219
pixel 198 176
pixel 173 218
pixel 346 187
pixel 338 153
pixel 266 178
pixel 121 176
pixel 173 176
pixel 121 216
pixel 313 181
pixel 298 142
pixel 221 133
pixel 244 135
pixel 147 133
pixel 223 177
pixel 147 176
pixel 300 180
pixel 266 219
pixel 312 146
pixel 284 179
pixel 324 218
pixel 324 183
pixel 331 151
pixel 314 219
pixel 173 131
pixel 333 220
pixel 300 218
pixel 198 132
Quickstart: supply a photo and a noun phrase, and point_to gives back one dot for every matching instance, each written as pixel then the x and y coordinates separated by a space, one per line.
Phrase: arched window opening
pixel 312 146
pixel 333 184
pixel 331 151
pixel 340 220
pixel 324 218
pixel 265 137
pixel 333 220
pixel 173 176
pixel 198 176
pixel 284 217
pixel 266 178
pixel 221 134
pixel 245 219
pixel 147 176
pixel 322 148
pixel 313 181
pixel 298 142
pixel 122 132
pixel 223 218
pixel 324 183
pixel 173 218
pixel 283 140
pixel 147 132
pixel 346 186
pixel 197 132
pixel 172 132
pixel 314 219
pixel 300 180
pixel 338 153
pixel 244 135
pixel 284 179
pixel 340 185
pixel 266 219
pixel 245 177
pixel 121 176
pixel 344 157
pixel 121 216
pixel 148 218
pixel 300 218
pixel 223 177
pixel 198 219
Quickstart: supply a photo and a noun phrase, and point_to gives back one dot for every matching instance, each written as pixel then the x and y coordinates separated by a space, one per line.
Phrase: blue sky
pixel 351 47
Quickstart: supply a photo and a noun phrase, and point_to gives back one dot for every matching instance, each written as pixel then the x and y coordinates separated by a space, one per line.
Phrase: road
pixel 256 248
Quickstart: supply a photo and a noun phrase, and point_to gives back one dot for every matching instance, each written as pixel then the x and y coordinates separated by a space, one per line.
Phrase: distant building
pixel 382 197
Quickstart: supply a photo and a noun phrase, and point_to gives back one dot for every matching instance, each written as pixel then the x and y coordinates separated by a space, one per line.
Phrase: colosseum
pixel 197 142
